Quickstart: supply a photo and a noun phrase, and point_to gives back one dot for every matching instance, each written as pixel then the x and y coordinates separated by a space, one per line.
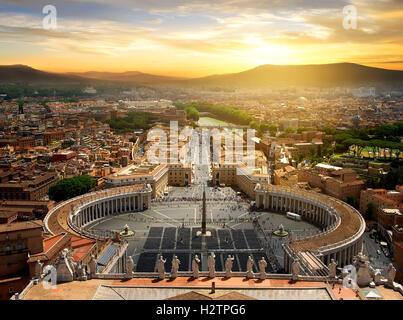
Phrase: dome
pixel 302 100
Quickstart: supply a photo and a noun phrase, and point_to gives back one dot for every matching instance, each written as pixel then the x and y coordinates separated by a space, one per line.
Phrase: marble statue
pixel 160 267
pixel 378 276
pixel 38 269
pixel 295 269
pixel 70 259
pixel 92 264
pixel 77 270
pixel 175 267
pixel 64 270
pixel 390 274
pixel 332 269
pixel 249 268
pixel 83 272
pixel 364 273
pixel 228 266
pixel 211 265
pixel 262 269
pixel 195 266
pixel 129 266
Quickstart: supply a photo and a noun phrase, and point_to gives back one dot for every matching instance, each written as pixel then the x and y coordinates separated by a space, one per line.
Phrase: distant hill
pixel 326 75
pixel 338 74
pixel 26 74
pixel 133 77
pixel 21 73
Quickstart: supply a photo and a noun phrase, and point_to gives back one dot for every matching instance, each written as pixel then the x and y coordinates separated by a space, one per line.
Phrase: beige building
pixel 337 182
pixel 158 176
pixel 34 188
pixel 17 240
pixel 287 176
pixel 179 175
pixel 305 148
pixel 238 175
pixel 381 198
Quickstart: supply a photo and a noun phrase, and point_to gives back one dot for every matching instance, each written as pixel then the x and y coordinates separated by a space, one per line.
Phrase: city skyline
pixel 198 38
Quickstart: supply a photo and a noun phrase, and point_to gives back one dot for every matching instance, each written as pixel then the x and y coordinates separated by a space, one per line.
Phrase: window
pixel 8 248
pixel 19 246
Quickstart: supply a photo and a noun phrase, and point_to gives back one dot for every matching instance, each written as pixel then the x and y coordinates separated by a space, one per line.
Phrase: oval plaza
pixel 171 226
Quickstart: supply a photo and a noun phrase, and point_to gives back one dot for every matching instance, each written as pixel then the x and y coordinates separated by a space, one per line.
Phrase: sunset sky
pixel 198 37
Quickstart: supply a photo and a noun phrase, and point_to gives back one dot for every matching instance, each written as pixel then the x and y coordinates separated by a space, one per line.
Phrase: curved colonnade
pixel 343 226
pixel 89 207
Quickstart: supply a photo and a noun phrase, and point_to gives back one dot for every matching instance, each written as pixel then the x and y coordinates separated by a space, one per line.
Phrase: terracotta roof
pixel 51 247
pixel 81 247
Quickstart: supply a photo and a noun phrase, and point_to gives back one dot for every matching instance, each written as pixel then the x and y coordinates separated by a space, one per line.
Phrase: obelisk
pixel 204 231
pixel 203 226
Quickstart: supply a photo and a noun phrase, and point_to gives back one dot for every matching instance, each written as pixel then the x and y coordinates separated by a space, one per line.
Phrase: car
pixel 378 252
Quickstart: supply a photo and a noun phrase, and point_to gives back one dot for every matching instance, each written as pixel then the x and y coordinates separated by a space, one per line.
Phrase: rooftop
pixel 18 226
pixel 234 288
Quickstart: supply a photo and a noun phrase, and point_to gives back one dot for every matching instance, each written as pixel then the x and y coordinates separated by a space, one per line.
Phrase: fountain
pixel 280 232
pixel 126 232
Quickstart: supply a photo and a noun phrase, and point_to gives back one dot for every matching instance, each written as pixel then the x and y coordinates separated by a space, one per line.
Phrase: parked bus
pixel 293 216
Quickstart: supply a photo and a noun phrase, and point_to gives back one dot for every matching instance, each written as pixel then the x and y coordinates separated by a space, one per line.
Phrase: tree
pixel 133 120
pixel 192 113
pixel 301 129
pixel 394 178
pixel 70 187
pixel 268 127
pixel 227 113
pixel 254 125
pixel 289 130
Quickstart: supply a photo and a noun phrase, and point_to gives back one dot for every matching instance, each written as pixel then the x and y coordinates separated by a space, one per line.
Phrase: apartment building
pixel 286 176
pixel 381 198
pixel 337 182
pixel 35 188
pixel 17 240
pixel 238 175
pixel 158 176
